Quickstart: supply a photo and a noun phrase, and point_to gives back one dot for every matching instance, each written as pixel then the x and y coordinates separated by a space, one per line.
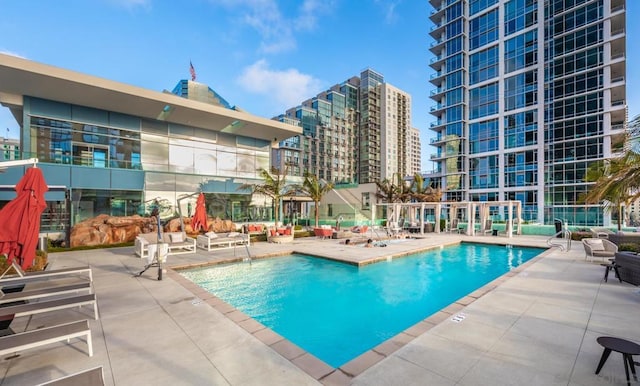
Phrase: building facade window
pixel 521 129
pixel 578 84
pixel 521 90
pixel 529 199
pixel 521 51
pixel 483 172
pixel 577 40
pixel 483 136
pixel 575 128
pixel 520 169
pixel 577 62
pixel 483 29
pixel 568 21
pixel 483 101
pixel 483 65
pixel 476 6
pixel 580 105
pixel 519 14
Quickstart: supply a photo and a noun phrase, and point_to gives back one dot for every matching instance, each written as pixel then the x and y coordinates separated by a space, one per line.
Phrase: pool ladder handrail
pixel 374 230
pixel 566 234
pixel 246 247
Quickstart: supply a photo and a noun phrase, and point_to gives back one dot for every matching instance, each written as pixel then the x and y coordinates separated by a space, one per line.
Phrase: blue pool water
pixel 338 311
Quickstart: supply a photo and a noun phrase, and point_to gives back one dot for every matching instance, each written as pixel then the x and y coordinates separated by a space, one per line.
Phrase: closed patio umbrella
pixel 21 219
pixel 199 219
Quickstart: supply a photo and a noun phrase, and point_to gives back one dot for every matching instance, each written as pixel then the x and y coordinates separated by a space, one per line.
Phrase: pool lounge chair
pixel 89 377
pixel 40 293
pixel 488 227
pixel 10 344
pixel 23 277
pixel 49 306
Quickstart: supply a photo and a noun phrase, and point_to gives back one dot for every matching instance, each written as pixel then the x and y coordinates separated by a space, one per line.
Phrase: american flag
pixel 192 71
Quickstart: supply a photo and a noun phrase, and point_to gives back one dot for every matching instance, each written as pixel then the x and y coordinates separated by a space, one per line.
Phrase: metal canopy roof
pixel 20 77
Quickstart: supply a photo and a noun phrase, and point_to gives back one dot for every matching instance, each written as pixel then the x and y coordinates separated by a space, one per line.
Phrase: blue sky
pixel 262 55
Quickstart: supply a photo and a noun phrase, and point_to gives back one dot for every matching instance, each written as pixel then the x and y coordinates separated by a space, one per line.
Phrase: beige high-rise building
pixel 395 131
pixel 415 152
pixel 358 131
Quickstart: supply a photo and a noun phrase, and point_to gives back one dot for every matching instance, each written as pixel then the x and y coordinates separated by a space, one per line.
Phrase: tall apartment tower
pixel 357 131
pixel 415 151
pixel 395 154
pixel 528 94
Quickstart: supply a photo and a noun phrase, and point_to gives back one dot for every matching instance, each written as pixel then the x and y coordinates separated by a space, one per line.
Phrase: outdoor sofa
pixel 627 267
pixel 211 240
pixel 323 233
pixel 178 242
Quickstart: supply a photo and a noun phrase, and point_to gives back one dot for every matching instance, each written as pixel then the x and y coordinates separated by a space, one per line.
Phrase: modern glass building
pixel 528 94
pixel 358 131
pixel 110 148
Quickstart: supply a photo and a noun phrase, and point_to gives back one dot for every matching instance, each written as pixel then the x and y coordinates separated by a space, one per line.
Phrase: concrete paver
pixel 537 325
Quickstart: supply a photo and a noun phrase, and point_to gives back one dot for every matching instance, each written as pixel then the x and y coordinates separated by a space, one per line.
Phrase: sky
pixel 263 56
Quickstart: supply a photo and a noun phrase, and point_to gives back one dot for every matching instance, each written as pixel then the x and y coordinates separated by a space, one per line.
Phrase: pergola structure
pixel 416 211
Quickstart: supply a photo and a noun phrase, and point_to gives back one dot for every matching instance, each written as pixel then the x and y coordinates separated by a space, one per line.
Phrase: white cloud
pixel 389 9
pixel 285 87
pixel 276 30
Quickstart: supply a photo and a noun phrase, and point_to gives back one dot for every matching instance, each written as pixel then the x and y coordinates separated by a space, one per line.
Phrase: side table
pixel 625 347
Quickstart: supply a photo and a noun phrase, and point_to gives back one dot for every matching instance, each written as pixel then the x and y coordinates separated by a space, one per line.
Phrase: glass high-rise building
pixel 528 93
pixel 358 131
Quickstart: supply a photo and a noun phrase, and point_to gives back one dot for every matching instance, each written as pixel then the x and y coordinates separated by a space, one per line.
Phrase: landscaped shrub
pixel 580 234
pixel 631 247
pixel 39 263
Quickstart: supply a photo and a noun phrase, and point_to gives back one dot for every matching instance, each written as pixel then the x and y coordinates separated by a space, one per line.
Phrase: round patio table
pixel 625 347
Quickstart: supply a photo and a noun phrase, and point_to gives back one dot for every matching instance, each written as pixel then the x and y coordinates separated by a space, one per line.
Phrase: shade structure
pixel 21 219
pixel 199 219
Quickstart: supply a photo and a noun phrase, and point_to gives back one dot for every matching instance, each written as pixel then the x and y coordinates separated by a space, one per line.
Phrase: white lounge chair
pixel 48 306
pixel 10 344
pixel 43 292
pixel 89 377
pixel 23 277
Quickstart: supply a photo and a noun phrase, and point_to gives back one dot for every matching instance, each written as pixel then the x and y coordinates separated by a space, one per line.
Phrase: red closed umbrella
pixel 199 219
pixel 21 219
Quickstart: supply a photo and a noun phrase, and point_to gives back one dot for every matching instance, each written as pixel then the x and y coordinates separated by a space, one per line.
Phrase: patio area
pixel 536 325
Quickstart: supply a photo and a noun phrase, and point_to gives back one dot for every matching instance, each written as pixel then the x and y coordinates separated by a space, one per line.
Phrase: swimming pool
pixel 337 311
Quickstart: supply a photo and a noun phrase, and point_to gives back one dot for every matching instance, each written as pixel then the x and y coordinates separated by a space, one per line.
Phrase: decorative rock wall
pixel 104 229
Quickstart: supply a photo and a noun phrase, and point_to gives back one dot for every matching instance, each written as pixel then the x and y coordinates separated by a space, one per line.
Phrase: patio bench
pixel 211 240
pixel 178 242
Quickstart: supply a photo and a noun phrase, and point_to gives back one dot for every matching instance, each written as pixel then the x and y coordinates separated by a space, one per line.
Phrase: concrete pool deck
pixel 537 326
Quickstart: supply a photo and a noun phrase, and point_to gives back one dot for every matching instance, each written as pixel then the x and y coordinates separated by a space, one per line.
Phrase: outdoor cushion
pixel 596 244
pixel 176 237
pixel 233 234
pixel 211 235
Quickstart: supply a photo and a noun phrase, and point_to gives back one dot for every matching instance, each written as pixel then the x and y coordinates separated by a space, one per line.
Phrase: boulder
pixel 104 230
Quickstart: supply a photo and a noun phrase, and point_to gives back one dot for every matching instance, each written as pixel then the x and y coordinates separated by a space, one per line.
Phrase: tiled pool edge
pixel 310 364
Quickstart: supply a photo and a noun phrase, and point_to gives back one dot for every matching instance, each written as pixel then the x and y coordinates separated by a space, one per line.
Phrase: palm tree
pixel 423 193
pixel 274 185
pixel 617 180
pixel 315 189
pixel 387 191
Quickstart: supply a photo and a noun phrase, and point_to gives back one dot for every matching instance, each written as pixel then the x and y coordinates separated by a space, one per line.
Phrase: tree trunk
pixel 317 212
pixel 619 217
